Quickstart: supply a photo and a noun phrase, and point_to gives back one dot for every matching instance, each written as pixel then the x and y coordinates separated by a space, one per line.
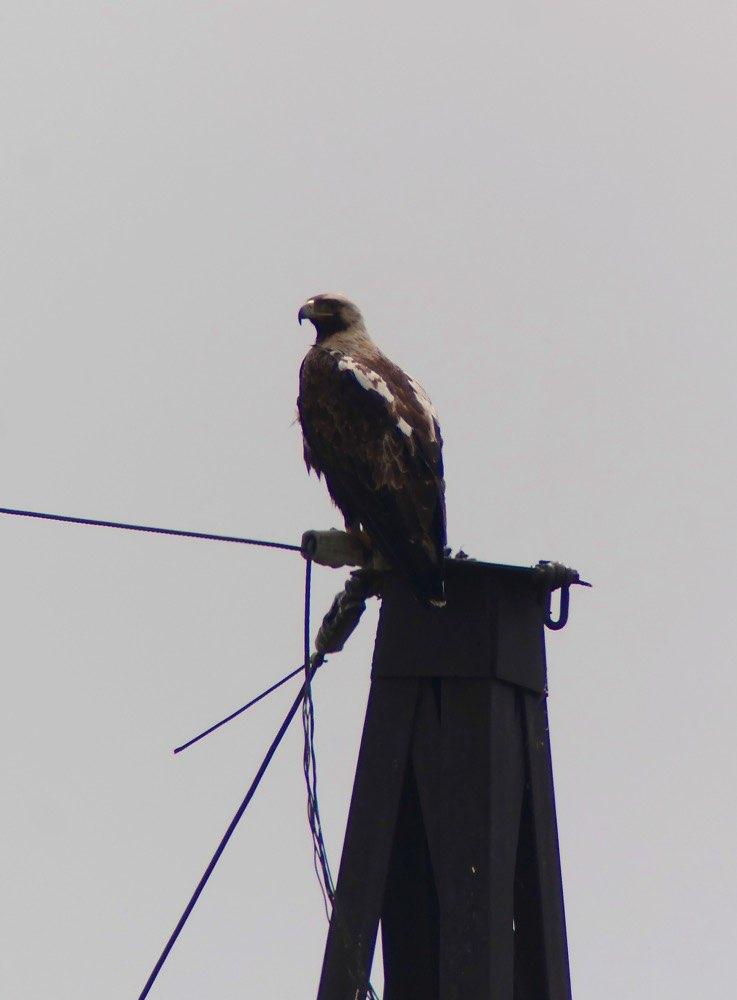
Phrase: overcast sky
pixel 535 207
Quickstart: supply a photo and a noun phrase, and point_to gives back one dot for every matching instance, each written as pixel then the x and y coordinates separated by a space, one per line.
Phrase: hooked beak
pixel 305 312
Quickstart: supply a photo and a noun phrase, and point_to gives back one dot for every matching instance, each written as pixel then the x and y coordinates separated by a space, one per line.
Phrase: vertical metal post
pixel 451 839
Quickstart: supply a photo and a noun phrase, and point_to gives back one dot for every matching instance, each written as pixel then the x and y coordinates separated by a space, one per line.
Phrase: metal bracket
pixel 335 548
pixel 556 576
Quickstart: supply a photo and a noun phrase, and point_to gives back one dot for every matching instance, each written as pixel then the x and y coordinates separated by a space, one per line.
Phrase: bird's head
pixel 331 313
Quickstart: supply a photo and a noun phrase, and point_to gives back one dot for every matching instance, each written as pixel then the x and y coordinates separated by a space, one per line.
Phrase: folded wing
pixel 371 431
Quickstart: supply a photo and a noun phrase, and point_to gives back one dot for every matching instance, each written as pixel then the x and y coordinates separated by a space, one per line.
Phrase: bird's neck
pixel 353 340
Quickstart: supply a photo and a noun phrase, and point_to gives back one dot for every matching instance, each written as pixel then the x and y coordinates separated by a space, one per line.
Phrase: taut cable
pixel 150 529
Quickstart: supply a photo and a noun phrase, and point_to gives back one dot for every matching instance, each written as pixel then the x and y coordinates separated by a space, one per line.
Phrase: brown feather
pixel 368 429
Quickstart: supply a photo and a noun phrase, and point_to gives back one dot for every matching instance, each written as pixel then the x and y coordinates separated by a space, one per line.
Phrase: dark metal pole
pixel 451 841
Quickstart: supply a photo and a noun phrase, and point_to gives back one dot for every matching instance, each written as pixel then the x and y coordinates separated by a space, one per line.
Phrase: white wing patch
pixel 366 378
pixel 371 381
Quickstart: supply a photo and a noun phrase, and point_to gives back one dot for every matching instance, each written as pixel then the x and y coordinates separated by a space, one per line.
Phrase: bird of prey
pixel 372 432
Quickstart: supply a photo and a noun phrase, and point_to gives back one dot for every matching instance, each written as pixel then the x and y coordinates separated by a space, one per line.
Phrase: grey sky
pixel 535 207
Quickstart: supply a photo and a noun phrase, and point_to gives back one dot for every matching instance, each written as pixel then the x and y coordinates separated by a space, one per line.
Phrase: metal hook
pixel 562 612
pixel 556 576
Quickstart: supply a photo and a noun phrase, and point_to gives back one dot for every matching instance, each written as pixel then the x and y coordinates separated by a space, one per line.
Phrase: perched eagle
pixel 372 432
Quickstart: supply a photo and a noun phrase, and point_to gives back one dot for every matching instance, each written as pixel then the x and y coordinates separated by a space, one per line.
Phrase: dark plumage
pixel 372 432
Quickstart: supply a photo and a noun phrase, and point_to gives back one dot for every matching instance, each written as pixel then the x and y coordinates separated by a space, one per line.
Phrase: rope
pixel 304 698
pixel 238 711
pixel 309 764
pixel 228 834
pixel 151 530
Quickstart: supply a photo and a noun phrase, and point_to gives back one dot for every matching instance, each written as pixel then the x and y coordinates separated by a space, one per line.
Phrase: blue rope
pixel 309 669
pixel 304 698
pixel 239 711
